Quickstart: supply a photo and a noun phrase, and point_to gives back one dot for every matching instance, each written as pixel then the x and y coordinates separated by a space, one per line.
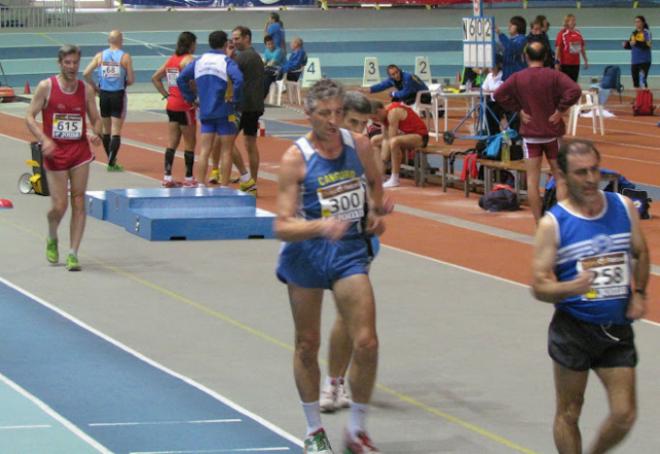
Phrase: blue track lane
pixel 100 388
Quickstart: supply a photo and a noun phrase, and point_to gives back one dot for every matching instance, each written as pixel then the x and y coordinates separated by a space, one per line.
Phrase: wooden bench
pixel 519 170
pixel 493 168
pixel 421 168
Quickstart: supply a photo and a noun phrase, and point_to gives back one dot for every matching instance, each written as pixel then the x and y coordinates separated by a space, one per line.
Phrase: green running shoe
pixel 318 443
pixel 115 168
pixel 72 263
pixel 52 254
pixel 249 187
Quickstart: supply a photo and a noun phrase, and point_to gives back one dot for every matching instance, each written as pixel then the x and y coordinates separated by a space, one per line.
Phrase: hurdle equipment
pixel 159 214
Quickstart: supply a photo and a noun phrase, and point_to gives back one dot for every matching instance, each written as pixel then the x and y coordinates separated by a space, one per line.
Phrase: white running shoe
pixel 343 399
pixel 328 399
pixel 391 183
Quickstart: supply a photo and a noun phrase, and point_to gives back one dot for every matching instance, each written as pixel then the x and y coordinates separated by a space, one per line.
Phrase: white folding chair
pixel 294 88
pixel 429 110
pixel 588 103
pixel 275 93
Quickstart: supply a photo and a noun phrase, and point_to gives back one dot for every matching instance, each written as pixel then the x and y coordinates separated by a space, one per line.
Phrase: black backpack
pixel 501 198
pixel 641 201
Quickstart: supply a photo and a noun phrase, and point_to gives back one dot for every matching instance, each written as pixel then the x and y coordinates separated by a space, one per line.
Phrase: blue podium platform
pixel 160 214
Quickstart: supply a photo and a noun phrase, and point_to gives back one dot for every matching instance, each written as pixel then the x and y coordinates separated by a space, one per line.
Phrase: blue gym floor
pixel 83 391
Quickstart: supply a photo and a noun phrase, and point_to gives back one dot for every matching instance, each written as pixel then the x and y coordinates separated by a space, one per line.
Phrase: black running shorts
pixel 250 123
pixel 112 103
pixel 580 346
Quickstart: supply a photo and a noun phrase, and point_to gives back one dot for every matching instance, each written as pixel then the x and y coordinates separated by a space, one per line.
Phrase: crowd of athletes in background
pixel 335 162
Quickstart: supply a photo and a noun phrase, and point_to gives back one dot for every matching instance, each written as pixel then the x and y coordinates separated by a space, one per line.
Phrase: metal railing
pixel 44 14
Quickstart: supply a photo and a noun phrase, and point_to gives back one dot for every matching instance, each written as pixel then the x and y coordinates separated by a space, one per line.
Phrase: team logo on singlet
pixel 601 243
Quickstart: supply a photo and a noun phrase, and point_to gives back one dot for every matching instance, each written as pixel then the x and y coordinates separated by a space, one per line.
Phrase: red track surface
pixel 631 146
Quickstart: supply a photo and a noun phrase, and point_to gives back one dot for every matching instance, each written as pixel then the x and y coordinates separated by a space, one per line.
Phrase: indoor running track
pixel 124 402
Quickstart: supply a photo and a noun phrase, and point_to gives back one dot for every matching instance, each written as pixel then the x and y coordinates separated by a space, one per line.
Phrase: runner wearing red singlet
pixel 64 103
pixel 569 45
pixel 402 130
pixel 182 119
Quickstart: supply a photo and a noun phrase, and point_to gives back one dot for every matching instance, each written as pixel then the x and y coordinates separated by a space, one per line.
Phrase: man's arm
pixel 380 86
pixel 558 51
pixel 409 87
pixel 157 80
pixel 570 92
pixel 37 104
pixel 88 73
pixel 641 265
pixel 236 76
pixel 394 116
pixel 545 285
pixel 288 226
pixel 93 115
pixel 127 63
pixel 374 184
pixel 183 82
pixel 506 97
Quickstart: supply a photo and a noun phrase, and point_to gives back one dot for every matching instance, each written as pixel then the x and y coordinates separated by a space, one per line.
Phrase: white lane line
pixel 265 423
pixel 211 451
pixel 157 423
pixel 28 426
pixel 49 411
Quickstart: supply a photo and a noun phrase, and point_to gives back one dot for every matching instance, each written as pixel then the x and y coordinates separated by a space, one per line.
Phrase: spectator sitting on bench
pixel 407 85
pixel 273 58
pixel 402 130
pixel 492 82
pixel 294 66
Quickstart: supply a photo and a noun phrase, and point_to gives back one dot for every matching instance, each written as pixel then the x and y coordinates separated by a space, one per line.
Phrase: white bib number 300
pixel 67 126
pixel 343 200
pixel 612 275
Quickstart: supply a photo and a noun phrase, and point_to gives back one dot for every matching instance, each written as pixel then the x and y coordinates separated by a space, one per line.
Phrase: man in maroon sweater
pixel 541 96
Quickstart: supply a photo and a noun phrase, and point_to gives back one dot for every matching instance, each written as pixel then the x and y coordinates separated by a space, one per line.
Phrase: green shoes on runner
pixel 115 168
pixel 318 443
pixel 52 254
pixel 249 187
pixel 72 263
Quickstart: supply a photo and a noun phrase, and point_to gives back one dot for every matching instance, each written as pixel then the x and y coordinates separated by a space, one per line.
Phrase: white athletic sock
pixel 330 381
pixel 245 177
pixel 167 177
pixel 357 419
pixel 72 252
pixel 312 415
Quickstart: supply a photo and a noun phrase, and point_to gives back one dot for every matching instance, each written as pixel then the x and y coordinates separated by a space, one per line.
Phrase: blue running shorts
pixel 319 263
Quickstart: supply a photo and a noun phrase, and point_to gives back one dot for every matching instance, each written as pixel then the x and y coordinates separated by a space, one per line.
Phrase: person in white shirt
pixel 489 85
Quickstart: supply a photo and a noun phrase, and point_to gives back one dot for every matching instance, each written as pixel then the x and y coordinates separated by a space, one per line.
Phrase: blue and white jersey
pixel 111 73
pixel 334 187
pixel 219 82
pixel 601 244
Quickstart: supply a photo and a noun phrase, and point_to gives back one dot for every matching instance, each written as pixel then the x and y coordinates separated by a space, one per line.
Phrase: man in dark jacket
pixel 407 85
pixel 541 96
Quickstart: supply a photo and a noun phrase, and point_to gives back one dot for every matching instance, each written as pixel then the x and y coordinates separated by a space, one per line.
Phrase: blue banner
pixel 219 3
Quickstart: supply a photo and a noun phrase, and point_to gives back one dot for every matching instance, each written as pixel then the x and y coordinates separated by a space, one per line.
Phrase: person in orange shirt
pixel 182 118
